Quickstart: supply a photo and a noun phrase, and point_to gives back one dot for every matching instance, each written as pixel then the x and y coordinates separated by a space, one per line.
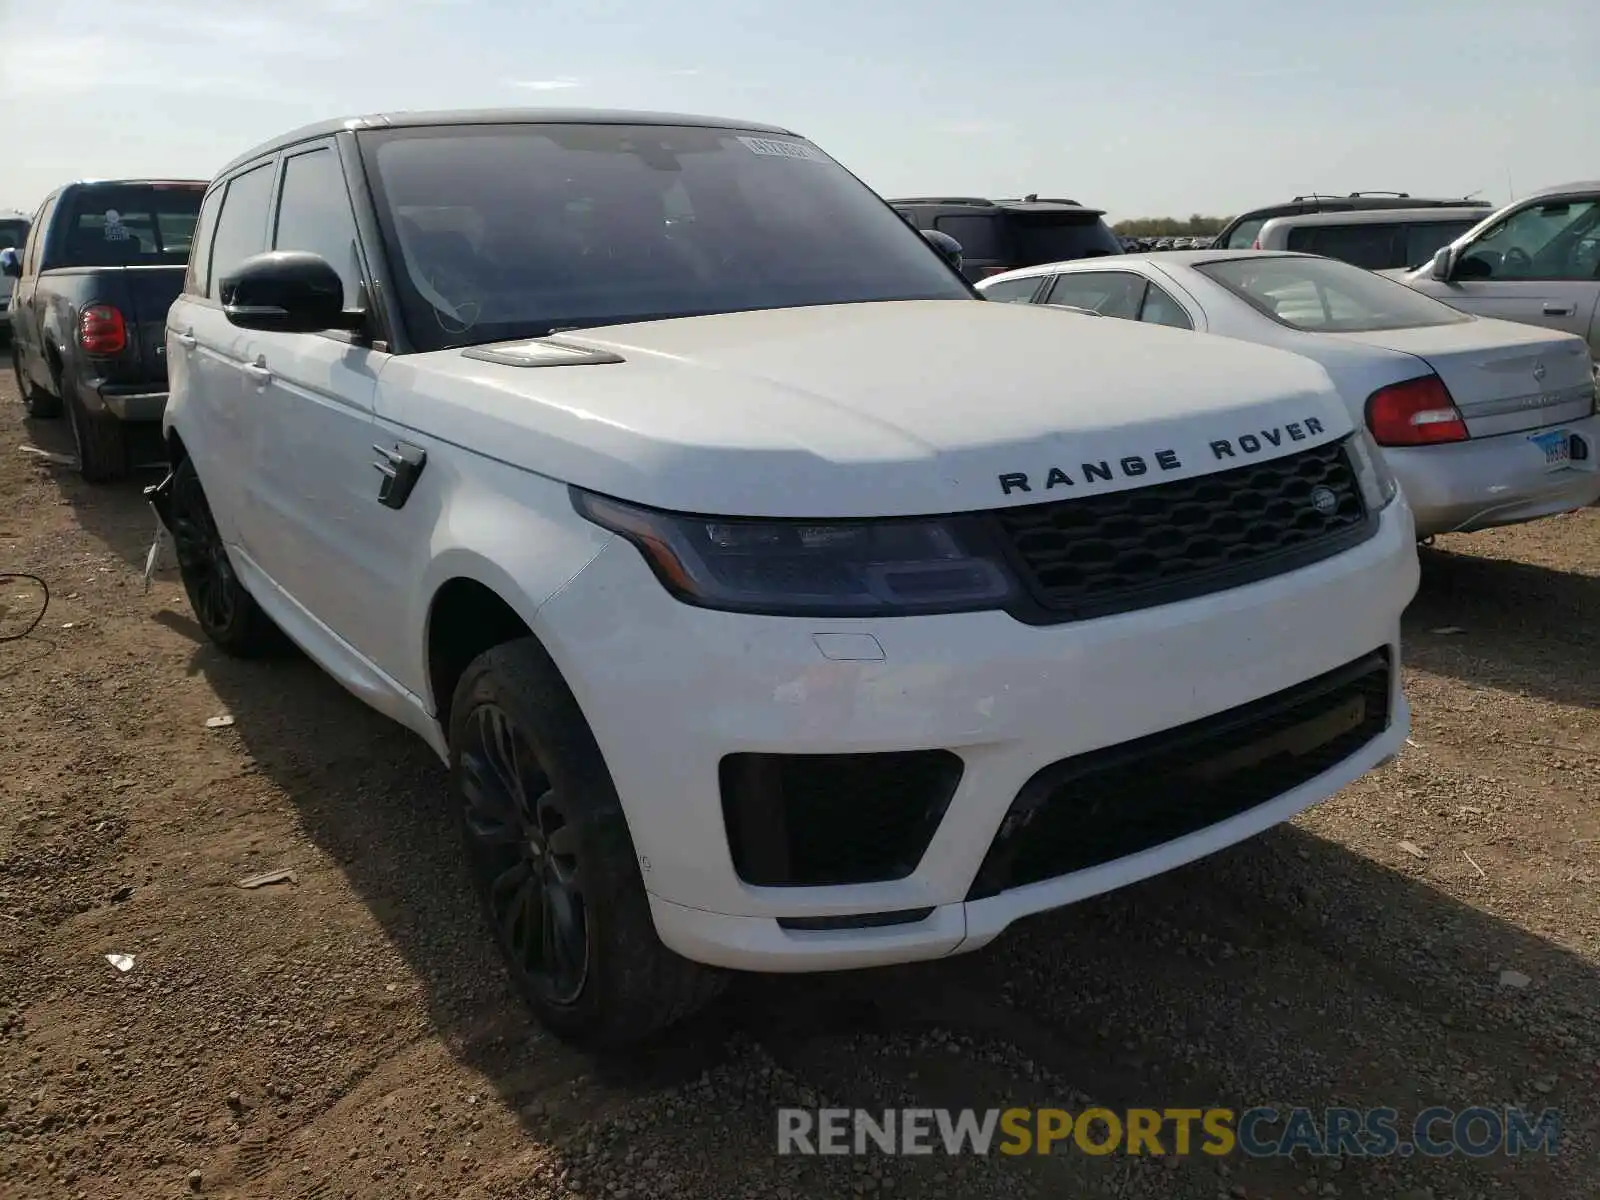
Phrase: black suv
pixel 1001 235
pixel 1240 233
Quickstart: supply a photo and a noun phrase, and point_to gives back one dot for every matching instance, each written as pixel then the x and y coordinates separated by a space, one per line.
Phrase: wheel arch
pixel 472 608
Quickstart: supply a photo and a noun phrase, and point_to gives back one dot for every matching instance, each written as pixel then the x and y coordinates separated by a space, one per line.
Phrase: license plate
pixel 1557 447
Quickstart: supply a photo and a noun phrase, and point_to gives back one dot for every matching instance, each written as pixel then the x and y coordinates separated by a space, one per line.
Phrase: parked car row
pixel 772 603
pixel 1484 422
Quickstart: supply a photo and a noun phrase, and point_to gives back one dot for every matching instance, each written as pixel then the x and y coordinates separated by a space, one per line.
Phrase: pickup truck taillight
pixel 102 330
pixel 1418 412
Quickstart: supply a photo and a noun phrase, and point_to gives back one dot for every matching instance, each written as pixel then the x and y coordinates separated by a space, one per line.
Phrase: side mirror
pixel 10 263
pixel 287 291
pixel 945 245
pixel 1439 268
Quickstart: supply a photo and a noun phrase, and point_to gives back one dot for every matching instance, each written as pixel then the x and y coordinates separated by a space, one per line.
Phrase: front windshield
pixel 505 231
pixel 1244 234
pixel 1323 295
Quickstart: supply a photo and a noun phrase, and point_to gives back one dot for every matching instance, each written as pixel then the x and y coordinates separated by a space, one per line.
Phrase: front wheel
pixel 552 860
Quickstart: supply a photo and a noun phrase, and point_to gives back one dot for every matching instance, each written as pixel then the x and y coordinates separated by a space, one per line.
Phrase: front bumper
pixel 1502 480
pixel 670 689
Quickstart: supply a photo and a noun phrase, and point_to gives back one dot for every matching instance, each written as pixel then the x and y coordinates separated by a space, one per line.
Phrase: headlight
pixel 810 568
pixel 1378 485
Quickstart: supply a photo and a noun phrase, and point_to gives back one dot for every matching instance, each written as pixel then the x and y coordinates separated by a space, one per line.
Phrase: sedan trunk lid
pixel 1504 377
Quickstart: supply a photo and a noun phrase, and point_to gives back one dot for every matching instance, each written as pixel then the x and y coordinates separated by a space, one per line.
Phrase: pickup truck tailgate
pixel 149 293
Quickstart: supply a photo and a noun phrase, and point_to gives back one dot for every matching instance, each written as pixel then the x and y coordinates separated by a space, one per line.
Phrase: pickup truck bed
pixel 103 264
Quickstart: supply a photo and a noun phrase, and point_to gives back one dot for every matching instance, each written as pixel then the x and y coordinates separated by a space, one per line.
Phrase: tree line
pixel 1197 225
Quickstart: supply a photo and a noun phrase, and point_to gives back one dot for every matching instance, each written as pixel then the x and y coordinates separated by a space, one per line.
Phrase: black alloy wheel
pixel 524 845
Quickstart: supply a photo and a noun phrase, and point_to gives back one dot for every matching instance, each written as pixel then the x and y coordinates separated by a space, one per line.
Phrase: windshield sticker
pixel 116 231
pixel 776 149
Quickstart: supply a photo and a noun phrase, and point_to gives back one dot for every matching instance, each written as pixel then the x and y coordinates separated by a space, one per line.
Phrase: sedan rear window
pixel 1323 295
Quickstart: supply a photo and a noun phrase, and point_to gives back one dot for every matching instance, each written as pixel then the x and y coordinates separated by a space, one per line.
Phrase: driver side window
pixel 1542 241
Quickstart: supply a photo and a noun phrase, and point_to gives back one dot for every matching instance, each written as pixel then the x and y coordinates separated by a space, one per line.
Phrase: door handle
pixel 187 340
pixel 258 372
pixel 1559 310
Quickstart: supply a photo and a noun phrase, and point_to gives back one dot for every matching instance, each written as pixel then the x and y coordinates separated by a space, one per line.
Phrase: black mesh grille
pixel 1095 555
pixel 1110 803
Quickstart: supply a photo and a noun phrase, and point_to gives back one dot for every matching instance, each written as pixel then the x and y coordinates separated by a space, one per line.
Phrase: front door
pixel 313 511
pixel 1540 266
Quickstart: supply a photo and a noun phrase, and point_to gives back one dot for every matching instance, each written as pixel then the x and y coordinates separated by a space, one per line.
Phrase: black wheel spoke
pixel 526 849
pixel 522 924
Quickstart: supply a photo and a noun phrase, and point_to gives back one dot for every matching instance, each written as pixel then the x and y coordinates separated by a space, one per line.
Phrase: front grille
pixel 1096 555
pixel 1107 804
pixel 819 819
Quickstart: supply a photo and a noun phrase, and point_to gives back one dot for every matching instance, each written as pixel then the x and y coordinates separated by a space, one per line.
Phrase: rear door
pixel 26 322
pixel 1539 265
pixel 225 402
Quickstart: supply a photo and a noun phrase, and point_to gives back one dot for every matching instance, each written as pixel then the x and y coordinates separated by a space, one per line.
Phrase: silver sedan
pixel 1484 422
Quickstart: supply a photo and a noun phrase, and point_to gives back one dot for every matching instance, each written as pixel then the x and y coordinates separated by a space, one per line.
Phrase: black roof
pixel 498 116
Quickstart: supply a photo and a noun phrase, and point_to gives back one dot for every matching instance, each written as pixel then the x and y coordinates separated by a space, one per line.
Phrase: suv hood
pixel 889 409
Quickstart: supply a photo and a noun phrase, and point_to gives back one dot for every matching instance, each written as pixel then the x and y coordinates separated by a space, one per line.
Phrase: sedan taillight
pixel 102 330
pixel 1418 412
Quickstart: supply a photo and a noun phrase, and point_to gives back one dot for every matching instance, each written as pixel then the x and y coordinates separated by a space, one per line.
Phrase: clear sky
pixel 1144 107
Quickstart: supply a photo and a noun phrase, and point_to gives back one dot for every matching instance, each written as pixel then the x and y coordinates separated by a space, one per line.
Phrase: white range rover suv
pixel 776 602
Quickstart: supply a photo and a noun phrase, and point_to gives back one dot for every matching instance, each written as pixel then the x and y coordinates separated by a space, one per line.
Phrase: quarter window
pixel 314 214
pixel 1161 309
pixel 1109 293
pixel 194 280
pixel 1012 291
pixel 242 225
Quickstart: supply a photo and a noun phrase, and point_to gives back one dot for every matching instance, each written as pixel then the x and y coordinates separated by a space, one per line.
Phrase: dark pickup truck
pixel 103 262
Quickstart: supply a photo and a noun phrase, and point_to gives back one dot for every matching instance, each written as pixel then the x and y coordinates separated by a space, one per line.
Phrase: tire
pixel 102 446
pixel 36 402
pixel 564 850
pixel 224 610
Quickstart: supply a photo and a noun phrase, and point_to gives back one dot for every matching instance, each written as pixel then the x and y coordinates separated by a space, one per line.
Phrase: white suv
pixel 775 602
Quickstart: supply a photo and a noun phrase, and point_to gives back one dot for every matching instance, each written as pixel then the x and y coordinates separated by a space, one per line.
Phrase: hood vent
pixel 541 352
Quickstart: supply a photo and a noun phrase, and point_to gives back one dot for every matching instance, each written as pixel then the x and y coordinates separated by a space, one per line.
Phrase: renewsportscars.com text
pixel 1475 1132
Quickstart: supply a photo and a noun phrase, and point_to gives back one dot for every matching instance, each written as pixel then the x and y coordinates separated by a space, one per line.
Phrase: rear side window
pixel 242 225
pixel 127 225
pixel 314 214
pixel 13 234
pixel 194 280
pixel 1373 246
pixel 1425 239
pixel 980 237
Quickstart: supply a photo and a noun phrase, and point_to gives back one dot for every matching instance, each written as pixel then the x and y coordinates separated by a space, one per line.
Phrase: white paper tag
pixel 773 148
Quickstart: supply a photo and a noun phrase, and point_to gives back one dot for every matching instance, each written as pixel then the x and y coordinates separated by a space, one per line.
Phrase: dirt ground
pixel 351 1034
